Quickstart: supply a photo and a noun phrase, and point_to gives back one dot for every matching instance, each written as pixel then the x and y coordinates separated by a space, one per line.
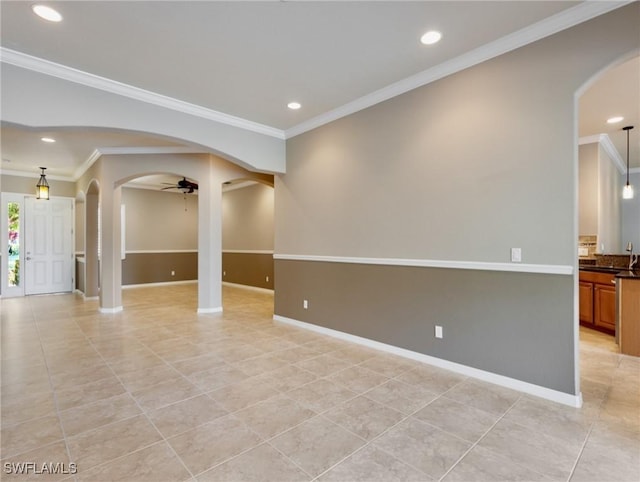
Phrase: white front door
pixel 48 251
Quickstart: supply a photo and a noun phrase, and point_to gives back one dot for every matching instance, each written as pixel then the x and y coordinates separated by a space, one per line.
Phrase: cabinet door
pixel 586 302
pixel 605 306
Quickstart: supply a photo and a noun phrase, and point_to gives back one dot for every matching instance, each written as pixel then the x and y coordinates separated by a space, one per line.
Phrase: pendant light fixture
pixel 627 190
pixel 42 188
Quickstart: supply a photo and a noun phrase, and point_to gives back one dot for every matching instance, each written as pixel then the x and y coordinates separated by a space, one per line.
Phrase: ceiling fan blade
pixel 169 187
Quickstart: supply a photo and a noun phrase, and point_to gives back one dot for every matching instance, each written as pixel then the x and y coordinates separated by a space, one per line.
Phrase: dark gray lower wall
pixel 140 268
pixel 251 269
pixel 518 325
pixel 79 275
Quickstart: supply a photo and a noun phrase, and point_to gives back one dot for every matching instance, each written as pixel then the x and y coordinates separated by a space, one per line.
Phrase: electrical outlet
pixel 516 255
pixel 224 273
pixel 305 304
pixel 173 273
pixel 438 333
pixel 267 279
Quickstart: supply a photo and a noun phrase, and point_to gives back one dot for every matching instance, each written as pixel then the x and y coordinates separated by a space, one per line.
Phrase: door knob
pixel 28 258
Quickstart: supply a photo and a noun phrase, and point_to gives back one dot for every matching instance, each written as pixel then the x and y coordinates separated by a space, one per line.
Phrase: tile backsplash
pixel 587 246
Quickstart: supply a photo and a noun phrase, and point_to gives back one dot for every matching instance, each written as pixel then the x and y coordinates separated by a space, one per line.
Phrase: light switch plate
pixel 516 255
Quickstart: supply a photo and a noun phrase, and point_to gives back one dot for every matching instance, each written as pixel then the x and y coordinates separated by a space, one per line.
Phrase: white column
pixel 111 263
pixel 210 243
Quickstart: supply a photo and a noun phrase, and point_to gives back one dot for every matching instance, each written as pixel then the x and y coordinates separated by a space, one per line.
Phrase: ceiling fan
pixel 184 185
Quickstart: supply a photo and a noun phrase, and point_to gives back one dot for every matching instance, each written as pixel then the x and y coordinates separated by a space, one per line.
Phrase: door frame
pixel 20 198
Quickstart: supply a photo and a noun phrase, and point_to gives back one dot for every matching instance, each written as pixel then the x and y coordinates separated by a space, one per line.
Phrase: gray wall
pixel 588 189
pixel 160 220
pixel 609 199
pixel 247 236
pixel 488 318
pixel 462 169
pixel 247 218
pixel 631 214
pixel 27 185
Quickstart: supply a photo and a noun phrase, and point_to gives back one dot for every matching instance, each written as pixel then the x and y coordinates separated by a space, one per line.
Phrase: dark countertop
pixel 618 272
pixel 626 274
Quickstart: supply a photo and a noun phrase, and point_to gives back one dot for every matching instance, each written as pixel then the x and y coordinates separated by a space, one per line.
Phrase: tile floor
pixel 159 393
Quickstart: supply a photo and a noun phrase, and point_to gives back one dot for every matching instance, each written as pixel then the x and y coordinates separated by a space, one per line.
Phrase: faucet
pixel 633 258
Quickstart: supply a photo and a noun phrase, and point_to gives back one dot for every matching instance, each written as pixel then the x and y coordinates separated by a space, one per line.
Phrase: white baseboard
pixel 205 311
pixel 247 287
pixel 117 309
pixel 160 283
pixel 507 382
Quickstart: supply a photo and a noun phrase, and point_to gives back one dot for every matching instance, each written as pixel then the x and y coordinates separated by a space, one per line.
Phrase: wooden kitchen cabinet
pixel 604 306
pixel 597 293
pixel 586 302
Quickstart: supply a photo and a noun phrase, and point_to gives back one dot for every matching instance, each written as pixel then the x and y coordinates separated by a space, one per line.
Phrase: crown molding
pixel 70 74
pixel 544 28
pixel 605 141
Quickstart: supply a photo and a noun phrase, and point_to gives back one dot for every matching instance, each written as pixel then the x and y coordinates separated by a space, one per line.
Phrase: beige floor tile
pixel 18 409
pixel 321 395
pixel 401 396
pixel 297 354
pixel 480 465
pixel 564 423
pixel 423 446
pixel 260 464
pixel 165 393
pixel 157 463
pixel 148 377
pixel 29 435
pixel 133 363
pixel 430 378
pixel 461 420
pixel 96 414
pixel 387 365
pixel 611 453
pixel 317 444
pixel 261 364
pixel 186 415
pixel 213 443
pixel 66 337
pixel 243 394
pixel 217 377
pixel 111 441
pixel 287 378
pixel 200 363
pixel 364 417
pixel 532 449
pixel 89 392
pixel 323 365
pixel 358 379
pixel 88 375
pixel 354 354
pixel 371 464
pixel 50 462
pixel 484 396
pixel 274 416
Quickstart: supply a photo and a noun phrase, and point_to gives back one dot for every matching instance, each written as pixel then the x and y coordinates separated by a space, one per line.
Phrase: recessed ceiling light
pixel 294 105
pixel 47 13
pixel 47 139
pixel 431 37
pixel 614 120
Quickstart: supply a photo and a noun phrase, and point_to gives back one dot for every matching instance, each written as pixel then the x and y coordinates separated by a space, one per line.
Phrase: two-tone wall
pixel 161 236
pixel 247 236
pixel 402 216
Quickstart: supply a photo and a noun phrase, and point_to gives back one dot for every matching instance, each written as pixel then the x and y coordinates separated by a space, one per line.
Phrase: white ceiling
pixel 249 59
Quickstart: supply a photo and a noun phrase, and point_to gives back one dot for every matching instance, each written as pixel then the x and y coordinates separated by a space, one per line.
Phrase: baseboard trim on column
pixel 117 309
pixel 205 311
